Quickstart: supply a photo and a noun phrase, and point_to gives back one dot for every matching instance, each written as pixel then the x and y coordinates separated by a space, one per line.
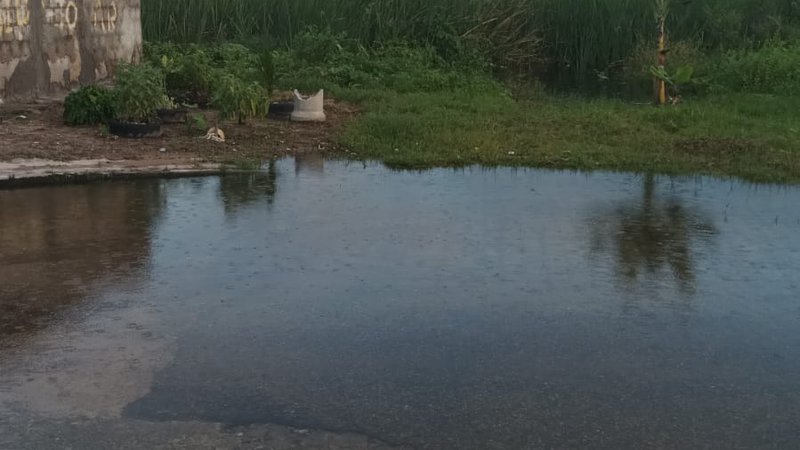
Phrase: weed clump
pixel 89 105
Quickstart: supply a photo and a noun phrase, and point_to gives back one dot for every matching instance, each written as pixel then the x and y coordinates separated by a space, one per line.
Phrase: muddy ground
pixel 37 131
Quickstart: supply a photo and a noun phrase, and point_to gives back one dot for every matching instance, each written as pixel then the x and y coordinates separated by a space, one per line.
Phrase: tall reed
pixel 577 38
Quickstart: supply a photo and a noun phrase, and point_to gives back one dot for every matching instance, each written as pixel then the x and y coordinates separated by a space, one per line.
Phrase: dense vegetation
pixel 459 82
pixel 139 92
pixel 568 42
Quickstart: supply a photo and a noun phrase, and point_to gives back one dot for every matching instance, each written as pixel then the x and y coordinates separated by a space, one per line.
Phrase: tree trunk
pixel 661 85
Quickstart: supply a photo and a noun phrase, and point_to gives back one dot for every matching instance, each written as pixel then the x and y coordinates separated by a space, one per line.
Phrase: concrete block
pixel 309 109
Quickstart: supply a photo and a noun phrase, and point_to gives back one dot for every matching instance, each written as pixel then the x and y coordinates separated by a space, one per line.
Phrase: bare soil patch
pixel 37 131
pixel 719 146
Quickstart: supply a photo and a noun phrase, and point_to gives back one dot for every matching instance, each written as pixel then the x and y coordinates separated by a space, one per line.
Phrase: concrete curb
pixel 37 172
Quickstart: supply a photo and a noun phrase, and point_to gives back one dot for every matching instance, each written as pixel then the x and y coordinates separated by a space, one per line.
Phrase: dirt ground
pixel 37 131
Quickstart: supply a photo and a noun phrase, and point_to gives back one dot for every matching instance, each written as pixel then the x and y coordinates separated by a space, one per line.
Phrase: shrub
pixel 140 93
pixel 772 69
pixel 314 45
pixel 89 105
pixel 191 71
pixel 235 59
pixel 187 71
pixel 323 60
pixel 238 98
pixel 681 54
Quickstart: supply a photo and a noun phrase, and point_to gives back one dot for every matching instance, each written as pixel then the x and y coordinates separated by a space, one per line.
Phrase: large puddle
pixel 469 309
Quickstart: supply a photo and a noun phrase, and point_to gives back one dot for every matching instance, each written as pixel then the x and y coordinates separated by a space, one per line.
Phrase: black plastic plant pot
pixel 173 116
pixel 281 110
pixel 135 130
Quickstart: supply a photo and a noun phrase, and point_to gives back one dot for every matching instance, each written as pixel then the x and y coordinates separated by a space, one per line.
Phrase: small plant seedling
pixel 197 124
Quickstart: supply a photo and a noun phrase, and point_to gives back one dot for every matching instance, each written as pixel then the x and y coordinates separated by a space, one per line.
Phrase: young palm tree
pixel 662 11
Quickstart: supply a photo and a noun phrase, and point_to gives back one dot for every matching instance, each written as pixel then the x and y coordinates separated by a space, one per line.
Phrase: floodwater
pixel 322 304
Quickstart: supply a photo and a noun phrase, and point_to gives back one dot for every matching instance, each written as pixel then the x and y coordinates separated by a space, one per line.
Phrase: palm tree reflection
pixel 651 238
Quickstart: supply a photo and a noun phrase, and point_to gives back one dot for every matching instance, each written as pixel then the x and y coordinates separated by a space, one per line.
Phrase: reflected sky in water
pixel 450 309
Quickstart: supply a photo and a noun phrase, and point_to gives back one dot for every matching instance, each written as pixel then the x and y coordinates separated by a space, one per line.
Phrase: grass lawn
pixel 755 137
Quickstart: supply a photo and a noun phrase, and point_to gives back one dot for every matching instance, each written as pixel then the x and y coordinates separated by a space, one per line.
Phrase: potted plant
pixel 240 99
pixel 139 94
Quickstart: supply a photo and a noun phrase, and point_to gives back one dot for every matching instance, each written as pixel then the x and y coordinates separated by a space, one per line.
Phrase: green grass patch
pixel 755 137
pixel 421 110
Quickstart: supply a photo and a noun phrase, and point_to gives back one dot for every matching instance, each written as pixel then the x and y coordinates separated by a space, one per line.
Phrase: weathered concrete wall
pixel 50 46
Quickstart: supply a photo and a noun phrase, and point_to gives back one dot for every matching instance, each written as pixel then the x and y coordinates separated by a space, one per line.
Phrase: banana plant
pixel 662 12
pixel 681 76
pixel 661 81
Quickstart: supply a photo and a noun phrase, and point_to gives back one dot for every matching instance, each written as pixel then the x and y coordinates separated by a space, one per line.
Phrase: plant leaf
pixel 683 75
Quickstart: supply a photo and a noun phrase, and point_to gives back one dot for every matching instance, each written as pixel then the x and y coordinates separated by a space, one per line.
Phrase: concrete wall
pixel 48 47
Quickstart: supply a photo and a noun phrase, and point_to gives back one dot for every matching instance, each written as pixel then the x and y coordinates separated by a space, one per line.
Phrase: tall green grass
pixel 572 40
pixel 772 69
pixel 503 27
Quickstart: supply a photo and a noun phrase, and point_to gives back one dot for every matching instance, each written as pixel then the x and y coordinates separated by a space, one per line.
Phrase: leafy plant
pixel 192 71
pixel 661 12
pixel 772 69
pixel 266 70
pixel 89 105
pixel 674 81
pixel 235 59
pixel 140 93
pixel 681 53
pixel 395 66
pixel 187 71
pixel 197 123
pixel 240 99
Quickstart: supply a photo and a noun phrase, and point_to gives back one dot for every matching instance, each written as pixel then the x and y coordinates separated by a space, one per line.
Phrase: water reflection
pixel 649 235
pixel 310 163
pixel 437 309
pixel 241 190
pixel 57 244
